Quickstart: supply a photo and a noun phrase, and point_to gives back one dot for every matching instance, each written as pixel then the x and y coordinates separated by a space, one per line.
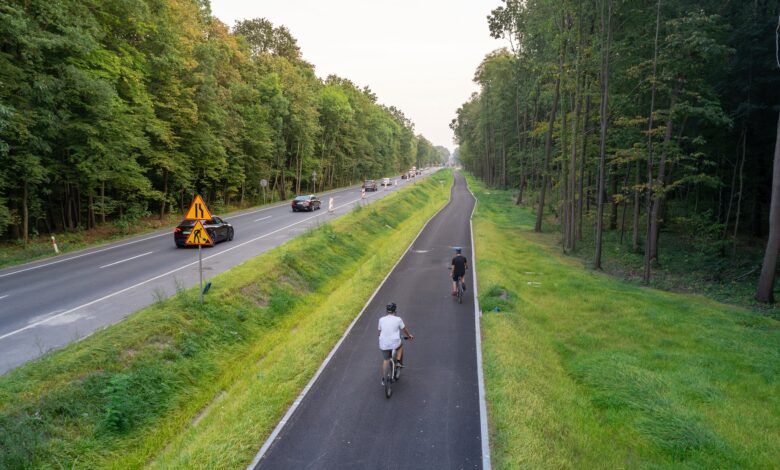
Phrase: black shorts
pixel 388 353
pixel 455 277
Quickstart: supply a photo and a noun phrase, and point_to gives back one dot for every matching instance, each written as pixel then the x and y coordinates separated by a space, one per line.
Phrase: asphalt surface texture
pixel 432 420
pixel 49 303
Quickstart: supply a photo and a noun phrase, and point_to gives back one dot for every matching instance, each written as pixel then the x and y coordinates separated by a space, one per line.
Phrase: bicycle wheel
pixel 460 292
pixel 397 372
pixel 389 381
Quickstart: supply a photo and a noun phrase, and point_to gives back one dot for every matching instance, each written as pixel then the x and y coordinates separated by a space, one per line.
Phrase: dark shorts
pixel 388 353
pixel 455 277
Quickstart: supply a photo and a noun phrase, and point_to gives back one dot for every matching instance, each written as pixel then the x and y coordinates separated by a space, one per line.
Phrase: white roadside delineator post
pixel 362 193
pixel 330 205
pixel 54 244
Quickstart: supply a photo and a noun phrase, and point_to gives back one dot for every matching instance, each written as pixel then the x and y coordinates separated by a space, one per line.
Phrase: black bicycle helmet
pixel 458 249
pixel 391 307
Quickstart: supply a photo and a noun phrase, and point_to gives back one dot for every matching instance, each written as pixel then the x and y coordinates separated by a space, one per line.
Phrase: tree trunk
pixel 25 214
pixel 583 158
pixel 548 148
pixel 649 197
pixel 739 196
pixel 603 139
pixel 103 202
pixel 767 280
pixel 613 179
pixel 658 200
pixel 90 210
pixel 165 194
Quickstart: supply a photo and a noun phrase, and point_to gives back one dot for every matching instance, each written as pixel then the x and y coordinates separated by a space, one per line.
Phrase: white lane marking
pixel 156 236
pixel 3 296
pixel 483 417
pixel 152 237
pixel 126 259
pixel 113 294
pixel 85 254
pixel 263 218
pixel 305 391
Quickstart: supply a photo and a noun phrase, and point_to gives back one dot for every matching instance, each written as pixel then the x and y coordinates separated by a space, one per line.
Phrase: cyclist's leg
pixel 454 285
pixel 399 353
pixel 386 354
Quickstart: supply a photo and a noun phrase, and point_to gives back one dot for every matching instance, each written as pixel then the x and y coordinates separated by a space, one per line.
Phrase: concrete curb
pixel 483 417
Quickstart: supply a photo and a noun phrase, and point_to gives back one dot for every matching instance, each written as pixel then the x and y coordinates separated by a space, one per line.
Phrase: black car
pixel 305 203
pixel 218 230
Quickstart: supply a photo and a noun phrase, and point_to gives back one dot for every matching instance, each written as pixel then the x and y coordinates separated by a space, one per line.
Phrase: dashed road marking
pixel 126 259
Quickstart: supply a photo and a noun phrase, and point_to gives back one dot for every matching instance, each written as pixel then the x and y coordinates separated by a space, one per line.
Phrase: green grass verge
pixel 180 386
pixel 586 371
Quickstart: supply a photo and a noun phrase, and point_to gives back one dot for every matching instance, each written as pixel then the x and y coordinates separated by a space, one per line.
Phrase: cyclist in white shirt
pixel 390 328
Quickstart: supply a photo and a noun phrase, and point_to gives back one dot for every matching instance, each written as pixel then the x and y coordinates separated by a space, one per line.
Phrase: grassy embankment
pixel 180 386
pixel 586 371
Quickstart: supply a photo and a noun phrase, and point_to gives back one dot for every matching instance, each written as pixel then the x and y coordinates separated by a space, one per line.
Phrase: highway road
pixel 433 419
pixel 47 304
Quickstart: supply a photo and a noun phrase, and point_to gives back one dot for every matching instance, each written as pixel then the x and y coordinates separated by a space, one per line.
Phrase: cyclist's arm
pixel 406 333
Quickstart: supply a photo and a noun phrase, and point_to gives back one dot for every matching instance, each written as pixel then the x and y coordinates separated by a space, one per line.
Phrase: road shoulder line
pixel 280 426
pixel 483 417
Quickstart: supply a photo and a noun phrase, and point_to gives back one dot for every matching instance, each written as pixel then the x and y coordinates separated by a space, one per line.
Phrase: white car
pixel 385 181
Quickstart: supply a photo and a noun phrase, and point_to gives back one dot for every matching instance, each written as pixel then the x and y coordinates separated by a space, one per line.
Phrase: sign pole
pixel 200 268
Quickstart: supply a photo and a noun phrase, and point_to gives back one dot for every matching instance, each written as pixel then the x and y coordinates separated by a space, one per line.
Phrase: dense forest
pixel 632 117
pixel 114 109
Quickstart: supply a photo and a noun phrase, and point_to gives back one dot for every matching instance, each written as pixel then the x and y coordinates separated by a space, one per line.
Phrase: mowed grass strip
pixel 585 371
pixel 178 385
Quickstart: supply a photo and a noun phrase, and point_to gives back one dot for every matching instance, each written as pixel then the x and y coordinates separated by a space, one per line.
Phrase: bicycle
pixel 393 372
pixel 459 282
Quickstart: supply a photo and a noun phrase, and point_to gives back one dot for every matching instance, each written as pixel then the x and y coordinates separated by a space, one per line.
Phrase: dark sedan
pixel 218 231
pixel 305 203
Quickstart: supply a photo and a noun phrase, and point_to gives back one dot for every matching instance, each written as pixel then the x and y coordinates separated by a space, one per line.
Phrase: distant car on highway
pixel 385 181
pixel 306 203
pixel 404 176
pixel 370 185
pixel 218 231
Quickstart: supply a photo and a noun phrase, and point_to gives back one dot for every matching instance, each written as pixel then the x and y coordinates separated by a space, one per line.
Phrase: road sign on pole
pixel 198 210
pixel 263 184
pixel 199 236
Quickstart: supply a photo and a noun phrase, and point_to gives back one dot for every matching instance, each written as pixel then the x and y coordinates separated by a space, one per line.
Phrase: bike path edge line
pixel 483 417
pixel 278 429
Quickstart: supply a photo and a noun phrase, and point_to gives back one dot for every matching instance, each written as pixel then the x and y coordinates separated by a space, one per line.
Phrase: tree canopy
pixel 113 109
pixel 676 100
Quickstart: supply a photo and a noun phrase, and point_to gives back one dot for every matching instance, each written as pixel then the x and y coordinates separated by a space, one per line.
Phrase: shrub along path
pixel 584 371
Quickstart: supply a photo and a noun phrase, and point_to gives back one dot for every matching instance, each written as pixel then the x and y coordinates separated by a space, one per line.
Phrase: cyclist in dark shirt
pixel 459 266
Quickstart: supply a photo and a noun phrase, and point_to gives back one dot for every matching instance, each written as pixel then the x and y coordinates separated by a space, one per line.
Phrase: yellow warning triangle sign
pixel 198 210
pixel 199 236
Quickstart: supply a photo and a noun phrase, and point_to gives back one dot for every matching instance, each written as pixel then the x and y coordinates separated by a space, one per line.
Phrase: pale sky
pixel 417 55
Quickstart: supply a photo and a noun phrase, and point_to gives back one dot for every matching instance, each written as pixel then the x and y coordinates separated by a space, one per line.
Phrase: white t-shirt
pixel 390 327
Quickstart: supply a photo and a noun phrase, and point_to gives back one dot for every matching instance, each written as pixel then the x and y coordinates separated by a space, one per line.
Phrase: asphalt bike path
pixel 47 304
pixel 433 418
